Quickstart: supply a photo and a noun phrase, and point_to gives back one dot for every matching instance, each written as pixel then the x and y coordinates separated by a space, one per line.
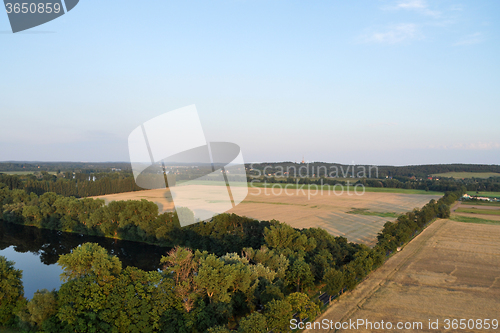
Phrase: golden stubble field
pixel 303 209
pixel 451 270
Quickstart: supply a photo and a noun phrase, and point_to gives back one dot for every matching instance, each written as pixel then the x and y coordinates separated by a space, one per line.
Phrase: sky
pixel 384 82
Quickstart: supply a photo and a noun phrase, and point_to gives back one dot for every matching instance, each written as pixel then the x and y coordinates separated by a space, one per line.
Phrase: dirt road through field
pixel 451 270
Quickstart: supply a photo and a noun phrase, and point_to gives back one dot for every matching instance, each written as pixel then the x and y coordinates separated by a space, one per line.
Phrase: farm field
pixel 460 175
pixel 479 211
pixel 450 271
pixel 485 194
pixel 359 218
pixel 313 187
pixel 480 203
pixel 468 219
pixel 471 211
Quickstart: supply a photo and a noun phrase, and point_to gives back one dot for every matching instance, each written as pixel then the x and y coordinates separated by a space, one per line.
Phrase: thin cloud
pixel 457 7
pixel 471 39
pixel 420 6
pixel 394 34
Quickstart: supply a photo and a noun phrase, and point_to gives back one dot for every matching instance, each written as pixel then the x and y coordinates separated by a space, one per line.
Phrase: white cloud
pixel 457 7
pixel 475 38
pixel 395 34
pixel 418 5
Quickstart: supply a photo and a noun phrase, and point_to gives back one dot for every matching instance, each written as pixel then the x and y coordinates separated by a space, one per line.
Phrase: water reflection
pixel 36 252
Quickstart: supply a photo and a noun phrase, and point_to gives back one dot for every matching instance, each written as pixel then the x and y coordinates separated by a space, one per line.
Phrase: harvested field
pixel 304 209
pixel 450 271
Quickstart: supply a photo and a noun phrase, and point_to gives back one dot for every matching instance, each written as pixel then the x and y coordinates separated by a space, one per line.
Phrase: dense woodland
pixel 491 184
pixel 78 185
pixel 232 273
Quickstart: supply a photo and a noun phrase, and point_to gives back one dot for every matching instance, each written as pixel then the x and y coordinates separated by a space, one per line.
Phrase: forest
pixel 491 184
pixel 230 274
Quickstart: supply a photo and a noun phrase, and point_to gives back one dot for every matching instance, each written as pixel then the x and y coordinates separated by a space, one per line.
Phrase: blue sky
pixel 376 82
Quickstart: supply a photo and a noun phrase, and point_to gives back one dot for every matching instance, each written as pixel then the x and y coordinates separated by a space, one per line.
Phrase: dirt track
pixel 451 270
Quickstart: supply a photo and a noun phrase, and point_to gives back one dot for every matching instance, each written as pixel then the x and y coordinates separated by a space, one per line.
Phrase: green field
pixel 467 174
pixel 313 187
pixel 468 219
pixel 478 211
pixel 338 188
pixel 480 203
pixel 365 211
pixel 485 194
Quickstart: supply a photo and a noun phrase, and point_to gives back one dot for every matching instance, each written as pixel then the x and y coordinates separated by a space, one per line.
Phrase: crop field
pixel 359 218
pixel 461 175
pixel 466 210
pixel 467 219
pixel 483 211
pixel 450 271
pixel 351 188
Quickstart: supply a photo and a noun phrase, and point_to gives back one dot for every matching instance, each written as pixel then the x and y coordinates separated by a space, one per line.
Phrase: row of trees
pixel 382 171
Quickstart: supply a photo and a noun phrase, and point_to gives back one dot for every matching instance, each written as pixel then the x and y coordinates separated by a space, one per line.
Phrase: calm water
pixel 36 252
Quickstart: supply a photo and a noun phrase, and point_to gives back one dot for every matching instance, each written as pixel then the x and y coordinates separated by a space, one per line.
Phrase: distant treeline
pixel 442 185
pixel 78 185
pixel 216 277
pixel 65 166
pixel 321 169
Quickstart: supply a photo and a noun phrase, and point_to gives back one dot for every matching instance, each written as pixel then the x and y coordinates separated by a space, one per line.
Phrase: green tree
pixel 299 275
pixel 278 315
pixel 287 240
pixel 218 329
pixel 40 308
pixel 253 323
pixel 137 301
pixel 334 282
pixel 11 290
pixel 89 259
pixel 90 272
pixel 215 278
pixel 303 306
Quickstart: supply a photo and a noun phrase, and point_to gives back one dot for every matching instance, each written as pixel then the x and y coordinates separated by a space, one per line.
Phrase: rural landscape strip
pixel 344 307
pixel 139 219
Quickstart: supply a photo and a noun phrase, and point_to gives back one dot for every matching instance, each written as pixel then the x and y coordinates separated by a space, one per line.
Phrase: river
pixel 36 251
